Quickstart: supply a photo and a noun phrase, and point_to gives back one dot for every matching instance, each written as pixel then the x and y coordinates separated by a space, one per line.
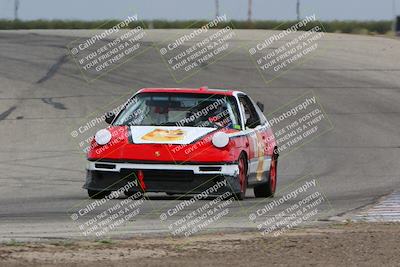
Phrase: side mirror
pixel 261 106
pixel 109 117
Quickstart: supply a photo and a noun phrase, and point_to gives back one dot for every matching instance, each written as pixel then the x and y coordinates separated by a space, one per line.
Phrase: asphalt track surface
pixel 43 96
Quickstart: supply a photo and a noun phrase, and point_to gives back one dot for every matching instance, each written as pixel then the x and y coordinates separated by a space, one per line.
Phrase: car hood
pixel 162 144
pixel 168 134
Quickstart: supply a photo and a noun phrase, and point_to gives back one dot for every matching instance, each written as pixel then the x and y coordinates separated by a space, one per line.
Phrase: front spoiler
pixel 172 178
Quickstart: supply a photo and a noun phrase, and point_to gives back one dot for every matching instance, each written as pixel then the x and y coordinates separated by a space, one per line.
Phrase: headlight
pixel 102 137
pixel 220 139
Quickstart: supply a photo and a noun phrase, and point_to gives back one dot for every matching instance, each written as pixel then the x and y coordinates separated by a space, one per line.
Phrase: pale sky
pixel 198 9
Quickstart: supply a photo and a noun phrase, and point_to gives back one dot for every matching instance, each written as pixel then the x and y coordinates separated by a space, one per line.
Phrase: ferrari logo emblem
pixel 157 153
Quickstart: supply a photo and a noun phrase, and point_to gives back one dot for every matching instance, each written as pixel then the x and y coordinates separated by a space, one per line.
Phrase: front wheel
pixel 268 189
pixel 242 178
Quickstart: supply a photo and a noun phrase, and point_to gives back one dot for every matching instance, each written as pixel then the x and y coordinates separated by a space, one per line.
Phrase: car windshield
pixel 180 109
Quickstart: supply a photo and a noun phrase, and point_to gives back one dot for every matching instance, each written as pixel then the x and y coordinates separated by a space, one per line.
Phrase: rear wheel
pixel 95 194
pixel 268 189
pixel 242 178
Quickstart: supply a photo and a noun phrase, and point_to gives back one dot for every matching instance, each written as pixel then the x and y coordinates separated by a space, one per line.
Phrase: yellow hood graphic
pixel 163 135
pixel 168 134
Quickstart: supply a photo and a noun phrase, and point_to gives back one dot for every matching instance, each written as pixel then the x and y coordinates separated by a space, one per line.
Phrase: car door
pixel 257 126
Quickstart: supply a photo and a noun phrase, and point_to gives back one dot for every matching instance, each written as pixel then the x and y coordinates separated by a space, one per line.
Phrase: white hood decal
pixel 168 135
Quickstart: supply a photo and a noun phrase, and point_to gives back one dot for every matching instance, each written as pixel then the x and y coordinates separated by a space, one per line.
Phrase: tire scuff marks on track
pixel 53 69
pixel 7 112
pixel 56 105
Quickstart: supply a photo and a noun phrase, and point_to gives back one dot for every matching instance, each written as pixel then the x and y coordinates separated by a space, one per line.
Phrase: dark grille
pixel 210 169
pixel 104 166
pixel 162 175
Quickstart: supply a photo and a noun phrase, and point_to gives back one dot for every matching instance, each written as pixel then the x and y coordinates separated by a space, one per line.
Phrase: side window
pixel 252 119
pixel 260 113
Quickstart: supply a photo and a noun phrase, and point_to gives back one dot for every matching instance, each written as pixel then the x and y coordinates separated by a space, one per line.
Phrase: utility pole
pixel 396 19
pixel 394 15
pixel 249 11
pixel 16 7
pixel 298 9
pixel 216 8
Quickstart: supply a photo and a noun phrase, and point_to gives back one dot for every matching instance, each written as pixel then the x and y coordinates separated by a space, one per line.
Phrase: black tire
pixel 242 183
pixel 268 189
pixel 95 194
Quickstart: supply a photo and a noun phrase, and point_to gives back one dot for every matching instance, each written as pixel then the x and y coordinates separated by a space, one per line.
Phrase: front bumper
pixel 173 178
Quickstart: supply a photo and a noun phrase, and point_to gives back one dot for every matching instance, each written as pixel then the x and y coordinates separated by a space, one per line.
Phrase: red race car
pixel 178 141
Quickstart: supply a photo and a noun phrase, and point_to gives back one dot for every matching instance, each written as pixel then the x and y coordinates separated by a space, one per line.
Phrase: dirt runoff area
pixel 348 244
